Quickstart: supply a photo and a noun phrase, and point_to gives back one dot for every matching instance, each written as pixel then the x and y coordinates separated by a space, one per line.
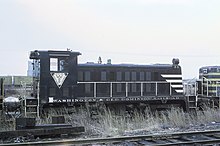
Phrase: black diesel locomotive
pixel 60 80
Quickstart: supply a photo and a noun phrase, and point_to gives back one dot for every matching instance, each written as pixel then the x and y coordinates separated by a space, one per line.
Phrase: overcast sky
pixel 126 31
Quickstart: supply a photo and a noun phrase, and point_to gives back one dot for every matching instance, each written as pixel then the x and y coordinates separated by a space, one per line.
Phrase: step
pixel 31 105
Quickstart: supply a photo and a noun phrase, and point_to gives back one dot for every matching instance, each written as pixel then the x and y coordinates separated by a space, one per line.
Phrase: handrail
pixel 141 83
pixel 127 82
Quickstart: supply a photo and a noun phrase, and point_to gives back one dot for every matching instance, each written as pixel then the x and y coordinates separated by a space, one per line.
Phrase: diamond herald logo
pixel 59 78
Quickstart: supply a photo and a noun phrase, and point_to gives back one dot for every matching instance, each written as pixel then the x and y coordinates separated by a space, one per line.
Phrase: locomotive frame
pixel 59 80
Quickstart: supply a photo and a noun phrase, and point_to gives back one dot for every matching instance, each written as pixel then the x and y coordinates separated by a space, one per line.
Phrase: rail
pixel 153 88
pixel 190 88
pixel 178 138
pixel 209 87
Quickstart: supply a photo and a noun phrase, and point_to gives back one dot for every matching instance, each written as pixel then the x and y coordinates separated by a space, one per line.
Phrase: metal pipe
pixel 170 89
pixel 195 88
pixel 95 89
pixel 141 89
pixel 126 94
pixel 202 90
pixel 111 89
pixel 38 98
pixel 207 88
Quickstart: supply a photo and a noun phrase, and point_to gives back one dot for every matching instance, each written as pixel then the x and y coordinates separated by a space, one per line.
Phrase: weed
pixel 108 123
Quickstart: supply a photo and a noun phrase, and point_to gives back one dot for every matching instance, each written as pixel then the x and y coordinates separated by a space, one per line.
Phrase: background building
pixel 17 85
pixel 33 68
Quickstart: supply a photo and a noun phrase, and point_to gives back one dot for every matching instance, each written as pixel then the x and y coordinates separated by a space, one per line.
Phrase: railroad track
pixel 183 138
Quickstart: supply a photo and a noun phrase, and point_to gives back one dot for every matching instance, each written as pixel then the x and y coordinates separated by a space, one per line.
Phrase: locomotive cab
pixel 54 75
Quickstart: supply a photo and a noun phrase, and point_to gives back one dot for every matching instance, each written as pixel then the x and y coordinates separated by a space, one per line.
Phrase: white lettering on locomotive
pixel 51 100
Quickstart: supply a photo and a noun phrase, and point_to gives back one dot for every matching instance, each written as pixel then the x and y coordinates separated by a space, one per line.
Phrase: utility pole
pixel 1 93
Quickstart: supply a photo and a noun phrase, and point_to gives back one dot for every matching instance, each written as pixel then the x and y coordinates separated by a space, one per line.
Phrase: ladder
pixel 192 101
pixel 31 107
